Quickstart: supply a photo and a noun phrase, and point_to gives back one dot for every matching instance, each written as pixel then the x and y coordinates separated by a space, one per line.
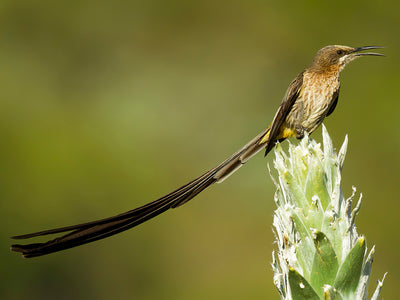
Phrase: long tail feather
pixel 89 232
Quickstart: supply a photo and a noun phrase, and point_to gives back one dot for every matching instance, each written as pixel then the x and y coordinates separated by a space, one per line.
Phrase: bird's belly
pixel 314 112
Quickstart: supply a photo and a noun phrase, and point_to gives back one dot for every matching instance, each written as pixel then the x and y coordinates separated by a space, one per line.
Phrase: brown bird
pixel 311 97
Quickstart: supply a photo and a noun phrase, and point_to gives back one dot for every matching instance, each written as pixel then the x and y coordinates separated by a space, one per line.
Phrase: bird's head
pixel 334 58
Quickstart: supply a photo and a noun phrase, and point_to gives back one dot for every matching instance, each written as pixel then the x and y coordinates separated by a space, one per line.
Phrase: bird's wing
pixel 334 102
pixel 292 93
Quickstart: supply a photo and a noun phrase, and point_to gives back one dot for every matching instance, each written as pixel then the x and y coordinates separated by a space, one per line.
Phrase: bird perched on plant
pixel 310 97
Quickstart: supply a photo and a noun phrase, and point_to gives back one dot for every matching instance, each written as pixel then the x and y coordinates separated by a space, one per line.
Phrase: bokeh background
pixel 106 105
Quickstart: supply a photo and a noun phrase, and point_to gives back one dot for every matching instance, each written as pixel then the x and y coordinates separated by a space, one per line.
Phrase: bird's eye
pixel 340 52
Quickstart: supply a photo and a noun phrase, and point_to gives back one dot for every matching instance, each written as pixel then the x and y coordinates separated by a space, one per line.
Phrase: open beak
pixel 356 51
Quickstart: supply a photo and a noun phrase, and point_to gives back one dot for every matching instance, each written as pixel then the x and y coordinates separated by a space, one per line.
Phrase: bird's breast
pixel 315 99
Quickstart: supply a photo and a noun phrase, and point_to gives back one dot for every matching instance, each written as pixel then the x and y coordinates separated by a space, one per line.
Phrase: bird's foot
pixel 300 132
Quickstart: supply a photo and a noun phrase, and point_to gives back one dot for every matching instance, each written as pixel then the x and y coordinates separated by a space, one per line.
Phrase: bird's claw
pixel 300 132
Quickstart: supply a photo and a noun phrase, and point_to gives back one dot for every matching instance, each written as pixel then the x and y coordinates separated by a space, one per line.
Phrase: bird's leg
pixel 300 132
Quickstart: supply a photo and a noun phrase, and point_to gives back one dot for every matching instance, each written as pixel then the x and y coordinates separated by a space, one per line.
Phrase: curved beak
pixel 356 51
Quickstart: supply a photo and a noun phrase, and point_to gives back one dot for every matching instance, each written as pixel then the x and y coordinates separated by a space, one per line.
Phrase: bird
pixel 310 97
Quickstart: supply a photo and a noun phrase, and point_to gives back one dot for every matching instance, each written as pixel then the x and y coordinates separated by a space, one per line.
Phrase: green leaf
pixel 330 293
pixel 300 288
pixel 299 220
pixel 298 198
pixel 349 273
pixel 325 264
pixel 315 183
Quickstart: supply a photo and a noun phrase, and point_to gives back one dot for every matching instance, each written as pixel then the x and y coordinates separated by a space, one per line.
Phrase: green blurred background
pixel 107 105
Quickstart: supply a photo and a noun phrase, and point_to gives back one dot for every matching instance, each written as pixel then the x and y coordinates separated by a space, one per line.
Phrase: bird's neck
pixel 327 71
pixel 331 74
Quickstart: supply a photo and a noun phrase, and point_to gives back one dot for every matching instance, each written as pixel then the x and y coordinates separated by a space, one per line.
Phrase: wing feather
pixel 334 102
pixel 291 95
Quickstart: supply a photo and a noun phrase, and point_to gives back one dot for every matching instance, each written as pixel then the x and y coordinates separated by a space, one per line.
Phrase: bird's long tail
pixel 89 232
